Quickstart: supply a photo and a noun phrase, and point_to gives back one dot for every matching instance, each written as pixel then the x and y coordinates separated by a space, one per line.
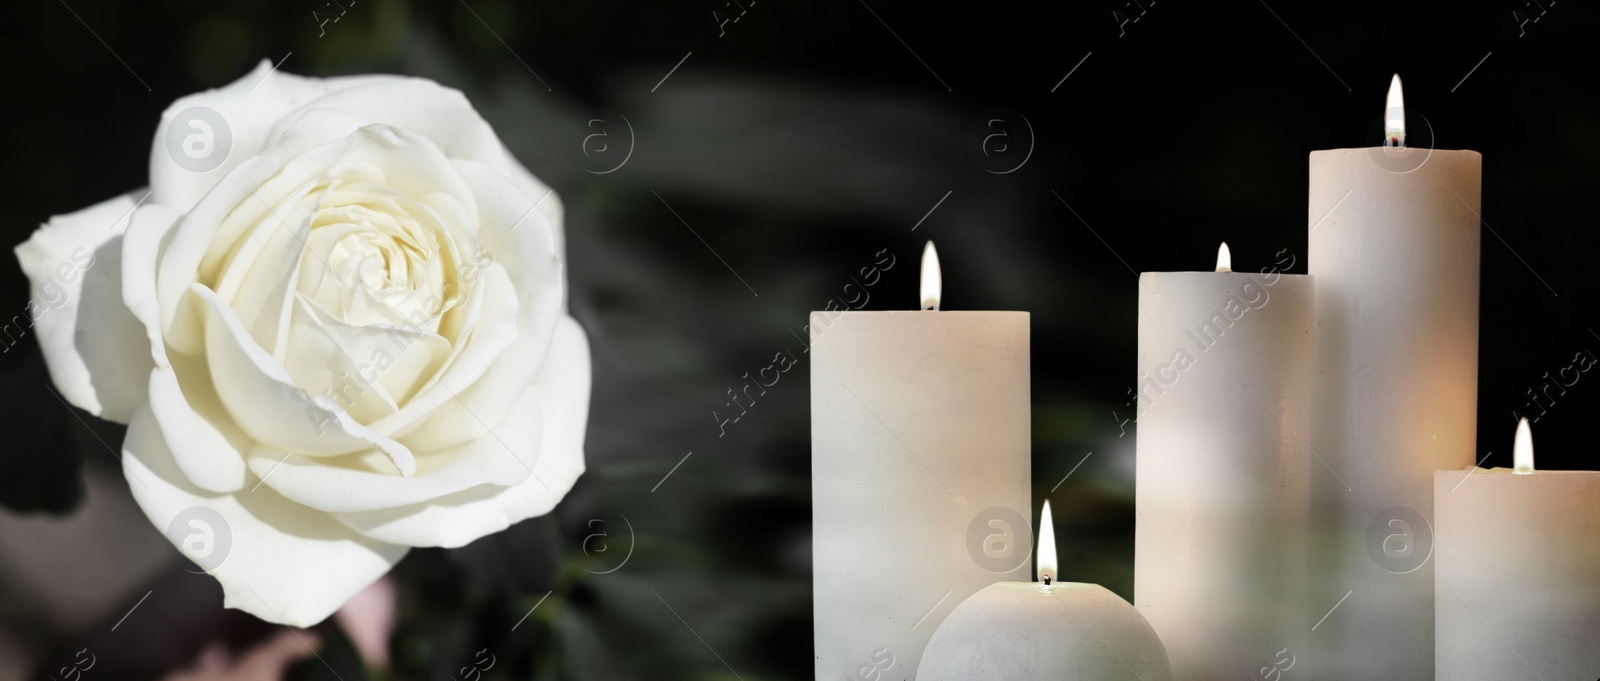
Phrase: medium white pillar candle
pixel 1223 487
pixel 1394 248
pixel 1517 587
pixel 1044 631
pixel 920 437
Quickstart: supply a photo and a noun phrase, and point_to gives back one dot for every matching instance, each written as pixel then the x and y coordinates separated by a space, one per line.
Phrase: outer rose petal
pixel 420 106
pixel 74 266
pixel 209 456
pixel 562 393
pixel 286 563
pixel 142 245
pixel 550 207
pixel 205 445
pixel 250 106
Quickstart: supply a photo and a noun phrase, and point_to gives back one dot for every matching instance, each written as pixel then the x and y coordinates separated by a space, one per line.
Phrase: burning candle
pixel 1223 471
pixel 1044 631
pixel 1517 589
pixel 920 469
pixel 1394 249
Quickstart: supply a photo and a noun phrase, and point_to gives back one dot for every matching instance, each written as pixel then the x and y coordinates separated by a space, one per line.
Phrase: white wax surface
pixel 1023 631
pixel 1223 476
pixel 1394 249
pixel 920 442
pixel 1518 578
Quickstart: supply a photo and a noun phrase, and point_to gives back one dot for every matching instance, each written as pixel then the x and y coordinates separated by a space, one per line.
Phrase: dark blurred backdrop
pixel 795 143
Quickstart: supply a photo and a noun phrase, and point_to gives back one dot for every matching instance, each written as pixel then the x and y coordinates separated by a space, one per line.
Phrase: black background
pixel 794 147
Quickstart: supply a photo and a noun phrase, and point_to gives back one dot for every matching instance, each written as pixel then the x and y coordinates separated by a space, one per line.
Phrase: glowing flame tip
pixel 1522 450
pixel 1394 115
pixel 1046 555
pixel 932 278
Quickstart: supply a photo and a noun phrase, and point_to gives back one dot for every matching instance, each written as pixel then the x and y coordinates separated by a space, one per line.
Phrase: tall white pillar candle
pixel 1517 587
pixel 920 439
pixel 1223 475
pixel 1394 248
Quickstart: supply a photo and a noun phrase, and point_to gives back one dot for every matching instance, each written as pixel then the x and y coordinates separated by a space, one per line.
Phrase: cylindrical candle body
pixel 1020 631
pixel 920 440
pixel 1224 398
pixel 1518 576
pixel 1394 248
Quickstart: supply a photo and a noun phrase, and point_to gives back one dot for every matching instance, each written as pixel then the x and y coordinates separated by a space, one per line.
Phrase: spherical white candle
pixel 1044 631
pixel 920 468
pixel 1394 248
pixel 1223 472
pixel 1517 588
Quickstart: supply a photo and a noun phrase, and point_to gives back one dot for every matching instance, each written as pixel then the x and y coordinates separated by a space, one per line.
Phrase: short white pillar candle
pixel 1517 583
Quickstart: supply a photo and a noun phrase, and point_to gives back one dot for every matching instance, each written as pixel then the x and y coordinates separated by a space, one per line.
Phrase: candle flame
pixel 1394 115
pixel 932 279
pixel 1522 451
pixel 1046 555
pixel 1224 259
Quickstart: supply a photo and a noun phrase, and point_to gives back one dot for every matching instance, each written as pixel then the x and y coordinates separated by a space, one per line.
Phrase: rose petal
pixel 549 206
pixel 280 202
pixel 258 392
pixel 491 337
pixel 404 161
pixel 388 360
pixel 244 202
pixel 315 357
pixel 210 452
pixel 504 457
pixel 422 106
pixel 525 252
pixel 195 234
pixel 515 234
pixel 284 563
pixel 562 392
pixel 261 275
pixel 142 245
pixel 74 268
pixel 249 108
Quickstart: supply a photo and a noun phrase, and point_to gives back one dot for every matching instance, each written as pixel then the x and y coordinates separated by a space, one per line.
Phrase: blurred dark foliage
pixel 805 139
pixel 167 631
pixel 41 474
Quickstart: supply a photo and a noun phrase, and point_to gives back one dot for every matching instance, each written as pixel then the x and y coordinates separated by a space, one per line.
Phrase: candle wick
pixel 1047 580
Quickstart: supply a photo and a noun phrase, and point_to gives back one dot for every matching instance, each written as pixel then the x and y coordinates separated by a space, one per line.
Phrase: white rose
pixel 336 329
